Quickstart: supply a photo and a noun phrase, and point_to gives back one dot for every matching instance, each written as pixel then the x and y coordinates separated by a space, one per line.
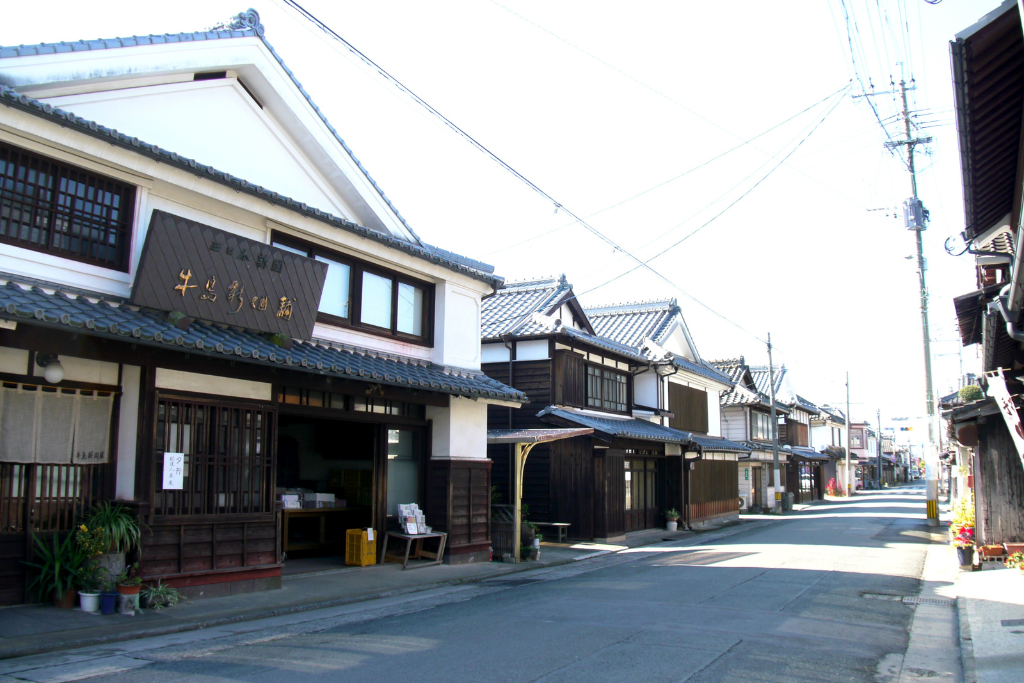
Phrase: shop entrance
pixel 641 494
pixel 325 476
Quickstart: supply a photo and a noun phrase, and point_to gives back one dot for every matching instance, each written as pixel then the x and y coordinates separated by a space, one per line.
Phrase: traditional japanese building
pixel 195 268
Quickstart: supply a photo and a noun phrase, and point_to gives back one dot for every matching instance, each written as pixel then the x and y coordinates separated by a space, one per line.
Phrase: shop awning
pixel 608 428
pixel 498 436
pixel 716 444
pixel 54 309
pixel 807 454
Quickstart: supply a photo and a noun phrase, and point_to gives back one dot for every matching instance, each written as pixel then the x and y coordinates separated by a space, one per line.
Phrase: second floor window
pixel 856 439
pixel 606 389
pixel 63 210
pixel 760 426
pixel 362 296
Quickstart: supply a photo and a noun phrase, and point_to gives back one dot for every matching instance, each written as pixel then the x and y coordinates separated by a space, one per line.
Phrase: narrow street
pixel 808 597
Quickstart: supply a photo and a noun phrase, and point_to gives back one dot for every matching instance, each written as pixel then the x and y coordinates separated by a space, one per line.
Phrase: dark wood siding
pixel 570 379
pixel 534 379
pixel 610 515
pixel 714 489
pixel 793 433
pixel 999 485
pixel 572 485
pixel 689 407
pixel 458 502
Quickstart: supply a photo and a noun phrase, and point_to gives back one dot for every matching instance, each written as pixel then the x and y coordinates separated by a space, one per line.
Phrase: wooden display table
pixel 302 513
pixel 437 557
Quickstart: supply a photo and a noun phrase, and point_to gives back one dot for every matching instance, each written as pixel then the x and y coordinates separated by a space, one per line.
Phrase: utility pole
pixel 915 217
pixel 849 491
pixel 775 429
pixel 879 444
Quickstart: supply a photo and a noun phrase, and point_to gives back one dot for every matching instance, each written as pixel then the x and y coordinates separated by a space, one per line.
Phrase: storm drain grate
pixel 909 599
pixel 917 600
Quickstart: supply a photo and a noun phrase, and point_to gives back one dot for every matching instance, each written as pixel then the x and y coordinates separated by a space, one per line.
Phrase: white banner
pixel 174 471
pixel 997 390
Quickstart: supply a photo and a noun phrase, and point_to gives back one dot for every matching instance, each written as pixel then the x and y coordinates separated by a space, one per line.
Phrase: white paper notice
pixel 174 470
pixel 369 534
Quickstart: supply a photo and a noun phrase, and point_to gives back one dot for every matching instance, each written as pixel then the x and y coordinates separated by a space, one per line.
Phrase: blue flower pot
pixel 108 603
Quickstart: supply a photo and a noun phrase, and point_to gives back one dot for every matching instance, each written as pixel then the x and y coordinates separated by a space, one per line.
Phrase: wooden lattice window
pixel 229 458
pixel 49 206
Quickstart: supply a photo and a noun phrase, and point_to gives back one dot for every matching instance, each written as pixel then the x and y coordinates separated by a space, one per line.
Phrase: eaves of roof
pixel 702 369
pixel 718 444
pixel 54 309
pixel 623 428
pixel 246 25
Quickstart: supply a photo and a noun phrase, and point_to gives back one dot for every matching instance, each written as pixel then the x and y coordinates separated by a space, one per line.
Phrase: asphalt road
pixel 802 598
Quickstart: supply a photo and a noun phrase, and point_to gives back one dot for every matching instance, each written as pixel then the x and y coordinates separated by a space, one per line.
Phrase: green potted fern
pixel 61 567
pixel 121 532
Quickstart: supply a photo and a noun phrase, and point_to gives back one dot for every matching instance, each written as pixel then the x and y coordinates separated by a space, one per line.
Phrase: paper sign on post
pixel 369 533
pixel 174 471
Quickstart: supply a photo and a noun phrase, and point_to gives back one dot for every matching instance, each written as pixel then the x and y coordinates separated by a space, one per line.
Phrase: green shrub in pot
pixel 61 567
pixel 121 531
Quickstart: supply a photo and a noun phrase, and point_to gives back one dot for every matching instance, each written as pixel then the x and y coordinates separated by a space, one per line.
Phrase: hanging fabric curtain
pixel 54 427
pixel 17 425
pixel 55 424
pixel 92 430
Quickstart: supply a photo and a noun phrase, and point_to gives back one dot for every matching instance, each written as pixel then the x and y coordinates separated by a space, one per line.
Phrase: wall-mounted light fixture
pixel 53 371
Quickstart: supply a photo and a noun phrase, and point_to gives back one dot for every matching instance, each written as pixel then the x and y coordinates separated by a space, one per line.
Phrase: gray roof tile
pixel 244 25
pixel 718 444
pixel 510 309
pixel 623 428
pixel 34 305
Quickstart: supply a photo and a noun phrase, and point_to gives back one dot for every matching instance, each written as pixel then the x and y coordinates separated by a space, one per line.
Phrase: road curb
pixel 151 632
pixel 967 665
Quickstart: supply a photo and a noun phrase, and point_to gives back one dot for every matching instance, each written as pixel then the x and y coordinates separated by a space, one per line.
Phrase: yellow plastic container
pixel 359 551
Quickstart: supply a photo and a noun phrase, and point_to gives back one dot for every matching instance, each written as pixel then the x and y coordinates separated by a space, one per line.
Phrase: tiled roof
pixel 804 404
pixel 718 444
pixel 245 25
pixel 632 323
pixel 623 428
pixel 740 394
pixel 703 369
pixel 602 343
pixel 509 310
pixel 806 453
pixel 760 375
pixel 733 368
pixel 833 414
pixel 94 316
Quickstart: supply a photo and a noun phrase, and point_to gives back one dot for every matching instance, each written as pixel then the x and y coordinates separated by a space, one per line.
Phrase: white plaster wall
pixel 536 349
pixel 460 430
pixel 128 422
pixel 216 123
pixel 645 389
pixel 13 361
pixel 494 353
pixel 457 337
pixel 211 384
pixel 714 413
pixel 84 370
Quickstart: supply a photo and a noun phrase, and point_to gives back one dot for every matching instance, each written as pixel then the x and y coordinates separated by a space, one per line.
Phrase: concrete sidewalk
pixel 991 607
pixel 36 629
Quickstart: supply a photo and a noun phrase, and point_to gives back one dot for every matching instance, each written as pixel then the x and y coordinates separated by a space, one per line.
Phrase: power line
pixel 673 179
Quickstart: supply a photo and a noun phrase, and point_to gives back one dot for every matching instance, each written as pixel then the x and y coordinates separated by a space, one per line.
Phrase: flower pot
pixel 129 590
pixel 108 602
pixel 1012 548
pixel 67 602
pixel 672 524
pixel 965 554
pixel 90 602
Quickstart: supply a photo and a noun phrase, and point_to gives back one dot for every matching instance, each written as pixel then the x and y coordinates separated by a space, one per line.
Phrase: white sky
pixel 665 87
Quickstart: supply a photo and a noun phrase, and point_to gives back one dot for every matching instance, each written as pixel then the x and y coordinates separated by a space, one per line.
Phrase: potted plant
pixel 672 519
pixel 120 533
pixel 1016 560
pixel 129 582
pixel 108 596
pixel 92 543
pixel 60 567
pixel 160 595
pixel 964 542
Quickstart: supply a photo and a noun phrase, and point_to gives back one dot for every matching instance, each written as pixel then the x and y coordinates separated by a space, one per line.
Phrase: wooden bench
pixel 561 528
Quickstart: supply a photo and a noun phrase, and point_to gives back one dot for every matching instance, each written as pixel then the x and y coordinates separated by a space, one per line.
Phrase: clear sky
pixel 597 102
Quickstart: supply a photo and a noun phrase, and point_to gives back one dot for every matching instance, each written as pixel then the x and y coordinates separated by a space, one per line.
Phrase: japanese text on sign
pixel 174 471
